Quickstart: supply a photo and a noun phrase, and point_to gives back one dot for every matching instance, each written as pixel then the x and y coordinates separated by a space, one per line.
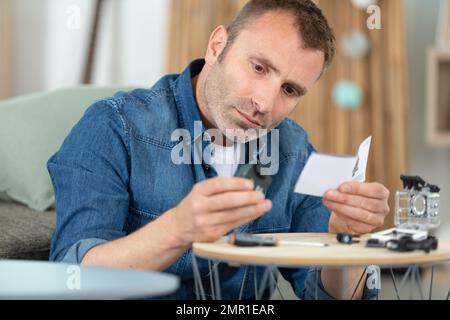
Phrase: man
pixel 123 202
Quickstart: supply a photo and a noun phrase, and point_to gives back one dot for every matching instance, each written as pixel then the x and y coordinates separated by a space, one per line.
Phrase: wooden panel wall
pixel 191 24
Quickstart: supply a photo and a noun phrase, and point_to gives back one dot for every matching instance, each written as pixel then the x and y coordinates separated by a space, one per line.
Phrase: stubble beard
pixel 215 96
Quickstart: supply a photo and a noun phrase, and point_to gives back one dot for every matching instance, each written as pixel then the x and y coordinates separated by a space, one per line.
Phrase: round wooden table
pixel 46 280
pixel 333 255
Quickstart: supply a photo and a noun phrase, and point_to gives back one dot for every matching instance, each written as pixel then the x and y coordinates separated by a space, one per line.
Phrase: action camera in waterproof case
pixel 417 206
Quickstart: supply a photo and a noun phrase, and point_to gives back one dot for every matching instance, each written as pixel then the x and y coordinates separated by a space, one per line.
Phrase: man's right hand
pixel 216 206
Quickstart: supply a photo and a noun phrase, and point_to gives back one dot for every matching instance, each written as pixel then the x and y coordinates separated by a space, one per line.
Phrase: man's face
pixel 262 77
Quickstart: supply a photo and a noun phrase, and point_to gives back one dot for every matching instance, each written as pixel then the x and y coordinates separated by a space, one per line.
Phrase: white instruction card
pixel 324 172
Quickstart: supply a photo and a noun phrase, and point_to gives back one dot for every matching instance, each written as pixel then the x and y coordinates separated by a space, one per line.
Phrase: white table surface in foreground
pixel 46 280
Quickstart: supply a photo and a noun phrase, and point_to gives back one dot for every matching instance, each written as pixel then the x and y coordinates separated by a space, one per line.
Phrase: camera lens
pixel 418 205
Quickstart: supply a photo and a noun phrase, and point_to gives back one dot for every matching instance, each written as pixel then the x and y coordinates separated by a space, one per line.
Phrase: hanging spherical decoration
pixel 363 4
pixel 355 44
pixel 347 95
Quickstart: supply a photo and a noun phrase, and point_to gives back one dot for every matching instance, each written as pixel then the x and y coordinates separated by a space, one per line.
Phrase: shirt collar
pixel 185 98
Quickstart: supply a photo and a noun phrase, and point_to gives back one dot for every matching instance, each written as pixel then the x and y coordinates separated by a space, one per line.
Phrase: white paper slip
pixel 324 172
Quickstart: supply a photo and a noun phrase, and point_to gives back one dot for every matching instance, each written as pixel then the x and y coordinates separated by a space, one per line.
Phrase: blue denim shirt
pixel 114 174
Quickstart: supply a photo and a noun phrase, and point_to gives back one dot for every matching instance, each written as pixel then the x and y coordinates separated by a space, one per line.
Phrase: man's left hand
pixel 357 208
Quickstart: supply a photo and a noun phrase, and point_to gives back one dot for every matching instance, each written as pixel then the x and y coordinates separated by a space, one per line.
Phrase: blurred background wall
pixel 50 49
pixel 431 162
pixel 5 49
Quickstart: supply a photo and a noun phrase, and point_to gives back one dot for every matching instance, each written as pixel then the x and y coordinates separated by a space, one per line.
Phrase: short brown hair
pixel 310 21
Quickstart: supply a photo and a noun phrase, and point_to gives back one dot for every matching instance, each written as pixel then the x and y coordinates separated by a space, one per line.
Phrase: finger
pixel 355 227
pixel 223 184
pixel 369 204
pixel 230 200
pixel 348 225
pixel 337 224
pixel 371 190
pixel 356 214
pixel 239 216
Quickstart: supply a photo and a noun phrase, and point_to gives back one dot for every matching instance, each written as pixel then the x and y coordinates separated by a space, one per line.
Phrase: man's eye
pixel 259 69
pixel 289 91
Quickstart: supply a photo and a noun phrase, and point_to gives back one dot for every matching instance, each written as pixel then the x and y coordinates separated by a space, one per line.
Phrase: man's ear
pixel 216 44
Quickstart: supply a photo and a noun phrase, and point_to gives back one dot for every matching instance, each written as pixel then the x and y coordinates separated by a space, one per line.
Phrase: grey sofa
pixel 24 233
pixel 32 128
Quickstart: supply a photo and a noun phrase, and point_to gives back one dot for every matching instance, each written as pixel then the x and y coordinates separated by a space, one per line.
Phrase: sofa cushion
pixel 25 233
pixel 32 128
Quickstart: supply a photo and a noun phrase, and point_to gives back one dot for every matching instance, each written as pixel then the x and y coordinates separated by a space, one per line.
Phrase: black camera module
pixel 253 172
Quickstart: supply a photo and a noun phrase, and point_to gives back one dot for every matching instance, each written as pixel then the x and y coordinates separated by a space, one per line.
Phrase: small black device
pixel 253 172
pixel 249 240
pixel 375 243
pixel 406 244
pixel 346 238
pixel 403 240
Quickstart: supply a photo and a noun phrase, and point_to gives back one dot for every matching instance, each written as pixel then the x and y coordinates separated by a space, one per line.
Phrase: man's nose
pixel 265 98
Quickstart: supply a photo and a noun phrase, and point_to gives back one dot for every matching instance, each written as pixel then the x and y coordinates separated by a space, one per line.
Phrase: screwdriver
pixel 249 240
